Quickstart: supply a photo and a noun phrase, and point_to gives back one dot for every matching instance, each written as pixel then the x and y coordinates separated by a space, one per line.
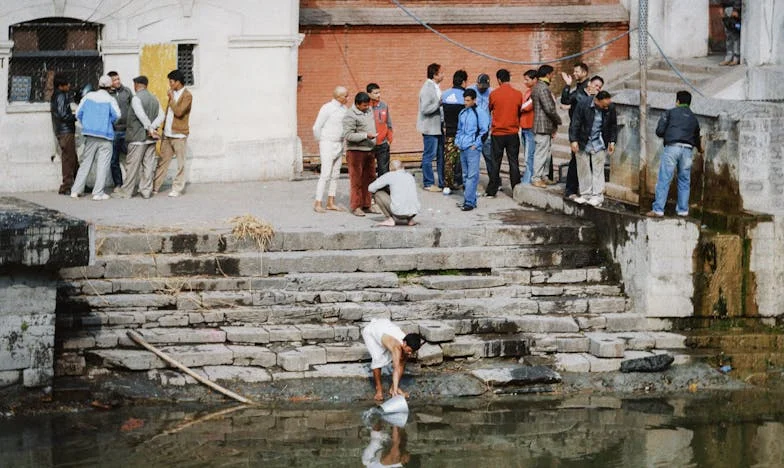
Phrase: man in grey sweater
pixel 401 203
pixel 359 131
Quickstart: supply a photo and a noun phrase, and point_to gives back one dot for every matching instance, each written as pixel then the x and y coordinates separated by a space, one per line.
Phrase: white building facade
pixel 241 56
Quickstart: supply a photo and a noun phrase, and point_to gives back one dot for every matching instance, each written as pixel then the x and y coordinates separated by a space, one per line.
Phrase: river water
pixel 715 430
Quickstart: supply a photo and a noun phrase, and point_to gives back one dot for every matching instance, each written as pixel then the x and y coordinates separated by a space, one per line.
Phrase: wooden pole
pixel 138 339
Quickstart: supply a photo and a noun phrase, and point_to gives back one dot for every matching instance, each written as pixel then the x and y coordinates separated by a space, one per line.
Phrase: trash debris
pixel 725 368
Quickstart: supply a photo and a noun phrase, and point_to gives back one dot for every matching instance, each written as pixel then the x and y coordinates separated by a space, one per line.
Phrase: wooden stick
pixel 138 339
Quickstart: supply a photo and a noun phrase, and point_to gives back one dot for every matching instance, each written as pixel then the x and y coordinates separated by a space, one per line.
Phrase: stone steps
pixel 541 229
pixel 334 261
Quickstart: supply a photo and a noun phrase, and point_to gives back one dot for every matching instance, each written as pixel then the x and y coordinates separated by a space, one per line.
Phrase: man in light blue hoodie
pixel 473 125
pixel 97 112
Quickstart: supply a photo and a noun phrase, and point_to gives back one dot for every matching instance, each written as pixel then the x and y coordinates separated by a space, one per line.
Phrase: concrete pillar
pixel 680 28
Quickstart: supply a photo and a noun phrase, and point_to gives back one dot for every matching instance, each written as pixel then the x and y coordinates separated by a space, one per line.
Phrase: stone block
pixel 563 306
pixel 347 370
pixel 69 364
pixel 346 332
pixel 313 332
pixel 188 301
pixel 283 333
pixel 225 299
pixel 506 346
pixel 252 356
pixel 463 346
pixel 245 315
pixel 82 341
pixel 92 271
pixel 638 341
pixel 544 324
pixel 604 364
pixel 11 377
pixel 429 355
pixel 572 344
pixel 314 354
pixel 130 359
pixel 606 305
pixel 37 377
pixel 126 318
pixel 331 296
pixel 572 363
pixel 183 335
pixel 246 334
pixel 346 352
pixel 273 297
pixel 461 282
pixel 173 320
pixel 543 344
pixel 106 338
pixel 513 275
pixel 669 306
pixel 237 373
pixel 436 332
pixel 666 340
pixel 591 322
pixel 341 282
pixel 200 355
pixel 625 322
pixel 655 324
pixel 293 361
pixel 606 346
pixel 350 312
pixel 547 290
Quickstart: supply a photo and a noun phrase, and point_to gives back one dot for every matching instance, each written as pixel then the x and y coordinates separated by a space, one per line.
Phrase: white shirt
pixel 403 191
pixel 329 123
pixel 167 131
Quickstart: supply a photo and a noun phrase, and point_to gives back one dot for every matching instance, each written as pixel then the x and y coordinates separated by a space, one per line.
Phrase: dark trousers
pixel 70 163
pixel 118 147
pixel 453 172
pixel 572 183
pixel 360 175
pixel 510 144
pixel 382 158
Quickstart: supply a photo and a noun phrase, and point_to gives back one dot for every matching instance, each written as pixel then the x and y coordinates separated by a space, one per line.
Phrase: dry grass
pixel 250 227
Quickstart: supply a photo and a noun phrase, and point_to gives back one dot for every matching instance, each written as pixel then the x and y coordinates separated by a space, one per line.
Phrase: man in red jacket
pixel 505 105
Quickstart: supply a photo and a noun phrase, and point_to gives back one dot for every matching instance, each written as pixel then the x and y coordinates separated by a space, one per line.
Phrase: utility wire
pixel 499 59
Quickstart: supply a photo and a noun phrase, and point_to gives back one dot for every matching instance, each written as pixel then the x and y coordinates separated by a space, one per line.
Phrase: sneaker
pixel 101 197
pixel 146 196
pixel 654 214
pixel 487 195
pixel 580 200
pixel 447 191
pixel 174 193
pixel 573 197
pixel 595 201
pixel 682 213
pixel 74 195
pixel 539 183
pixel 466 208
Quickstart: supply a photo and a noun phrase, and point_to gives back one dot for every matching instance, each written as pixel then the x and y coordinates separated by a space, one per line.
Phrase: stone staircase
pixel 220 306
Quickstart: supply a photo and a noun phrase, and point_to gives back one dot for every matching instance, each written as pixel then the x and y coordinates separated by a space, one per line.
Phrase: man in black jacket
pixel 584 89
pixel 681 132
pixel 64 126
pixel 593 131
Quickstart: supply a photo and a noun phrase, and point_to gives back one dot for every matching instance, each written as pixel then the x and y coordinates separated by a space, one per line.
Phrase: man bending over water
pixel 387 344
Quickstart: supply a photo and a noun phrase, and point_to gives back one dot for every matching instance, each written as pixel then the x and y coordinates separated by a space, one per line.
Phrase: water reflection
pixel 720 430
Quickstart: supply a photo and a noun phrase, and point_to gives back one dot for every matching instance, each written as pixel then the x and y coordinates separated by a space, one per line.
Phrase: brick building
pixel 354 42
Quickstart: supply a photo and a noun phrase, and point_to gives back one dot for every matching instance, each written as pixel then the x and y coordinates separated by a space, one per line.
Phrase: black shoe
pixel 466 208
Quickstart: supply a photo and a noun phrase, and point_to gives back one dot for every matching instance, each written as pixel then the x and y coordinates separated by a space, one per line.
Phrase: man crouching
pixel 387 344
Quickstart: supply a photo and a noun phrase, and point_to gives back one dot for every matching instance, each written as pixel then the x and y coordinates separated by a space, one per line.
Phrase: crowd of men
pixel 117 121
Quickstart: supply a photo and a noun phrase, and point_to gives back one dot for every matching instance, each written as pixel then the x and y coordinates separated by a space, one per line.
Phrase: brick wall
pixel 397 57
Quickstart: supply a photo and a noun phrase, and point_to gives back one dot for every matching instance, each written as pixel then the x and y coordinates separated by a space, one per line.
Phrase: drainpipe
pixel 642 52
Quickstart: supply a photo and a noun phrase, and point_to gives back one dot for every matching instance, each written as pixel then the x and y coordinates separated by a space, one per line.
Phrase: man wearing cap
pixel 97 112
pixel 483 90
pixel 123 96
pixel 175 133
pixel 144 118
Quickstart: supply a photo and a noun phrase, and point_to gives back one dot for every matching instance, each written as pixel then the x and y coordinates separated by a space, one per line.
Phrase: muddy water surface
pixel 717 430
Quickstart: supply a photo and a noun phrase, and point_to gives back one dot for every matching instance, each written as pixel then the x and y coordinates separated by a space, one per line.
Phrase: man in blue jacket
pixel 681 132
pixel 473 125
pixel 97 112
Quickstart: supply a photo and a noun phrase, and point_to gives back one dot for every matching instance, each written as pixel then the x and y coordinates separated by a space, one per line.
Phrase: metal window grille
pixel 185 62
pixel 48 46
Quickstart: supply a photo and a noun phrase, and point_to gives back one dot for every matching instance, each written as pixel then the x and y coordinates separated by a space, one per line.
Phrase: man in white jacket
pixel 328 131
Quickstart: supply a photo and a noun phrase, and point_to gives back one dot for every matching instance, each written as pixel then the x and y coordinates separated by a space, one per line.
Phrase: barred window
pixel 185 61
pixel 47 46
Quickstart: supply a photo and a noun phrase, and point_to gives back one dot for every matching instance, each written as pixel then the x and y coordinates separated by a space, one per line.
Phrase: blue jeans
pixel 527 137
pixel 671 157
pixel 434 149
pixel 469 159
pixel 487 154
pixel 118 147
